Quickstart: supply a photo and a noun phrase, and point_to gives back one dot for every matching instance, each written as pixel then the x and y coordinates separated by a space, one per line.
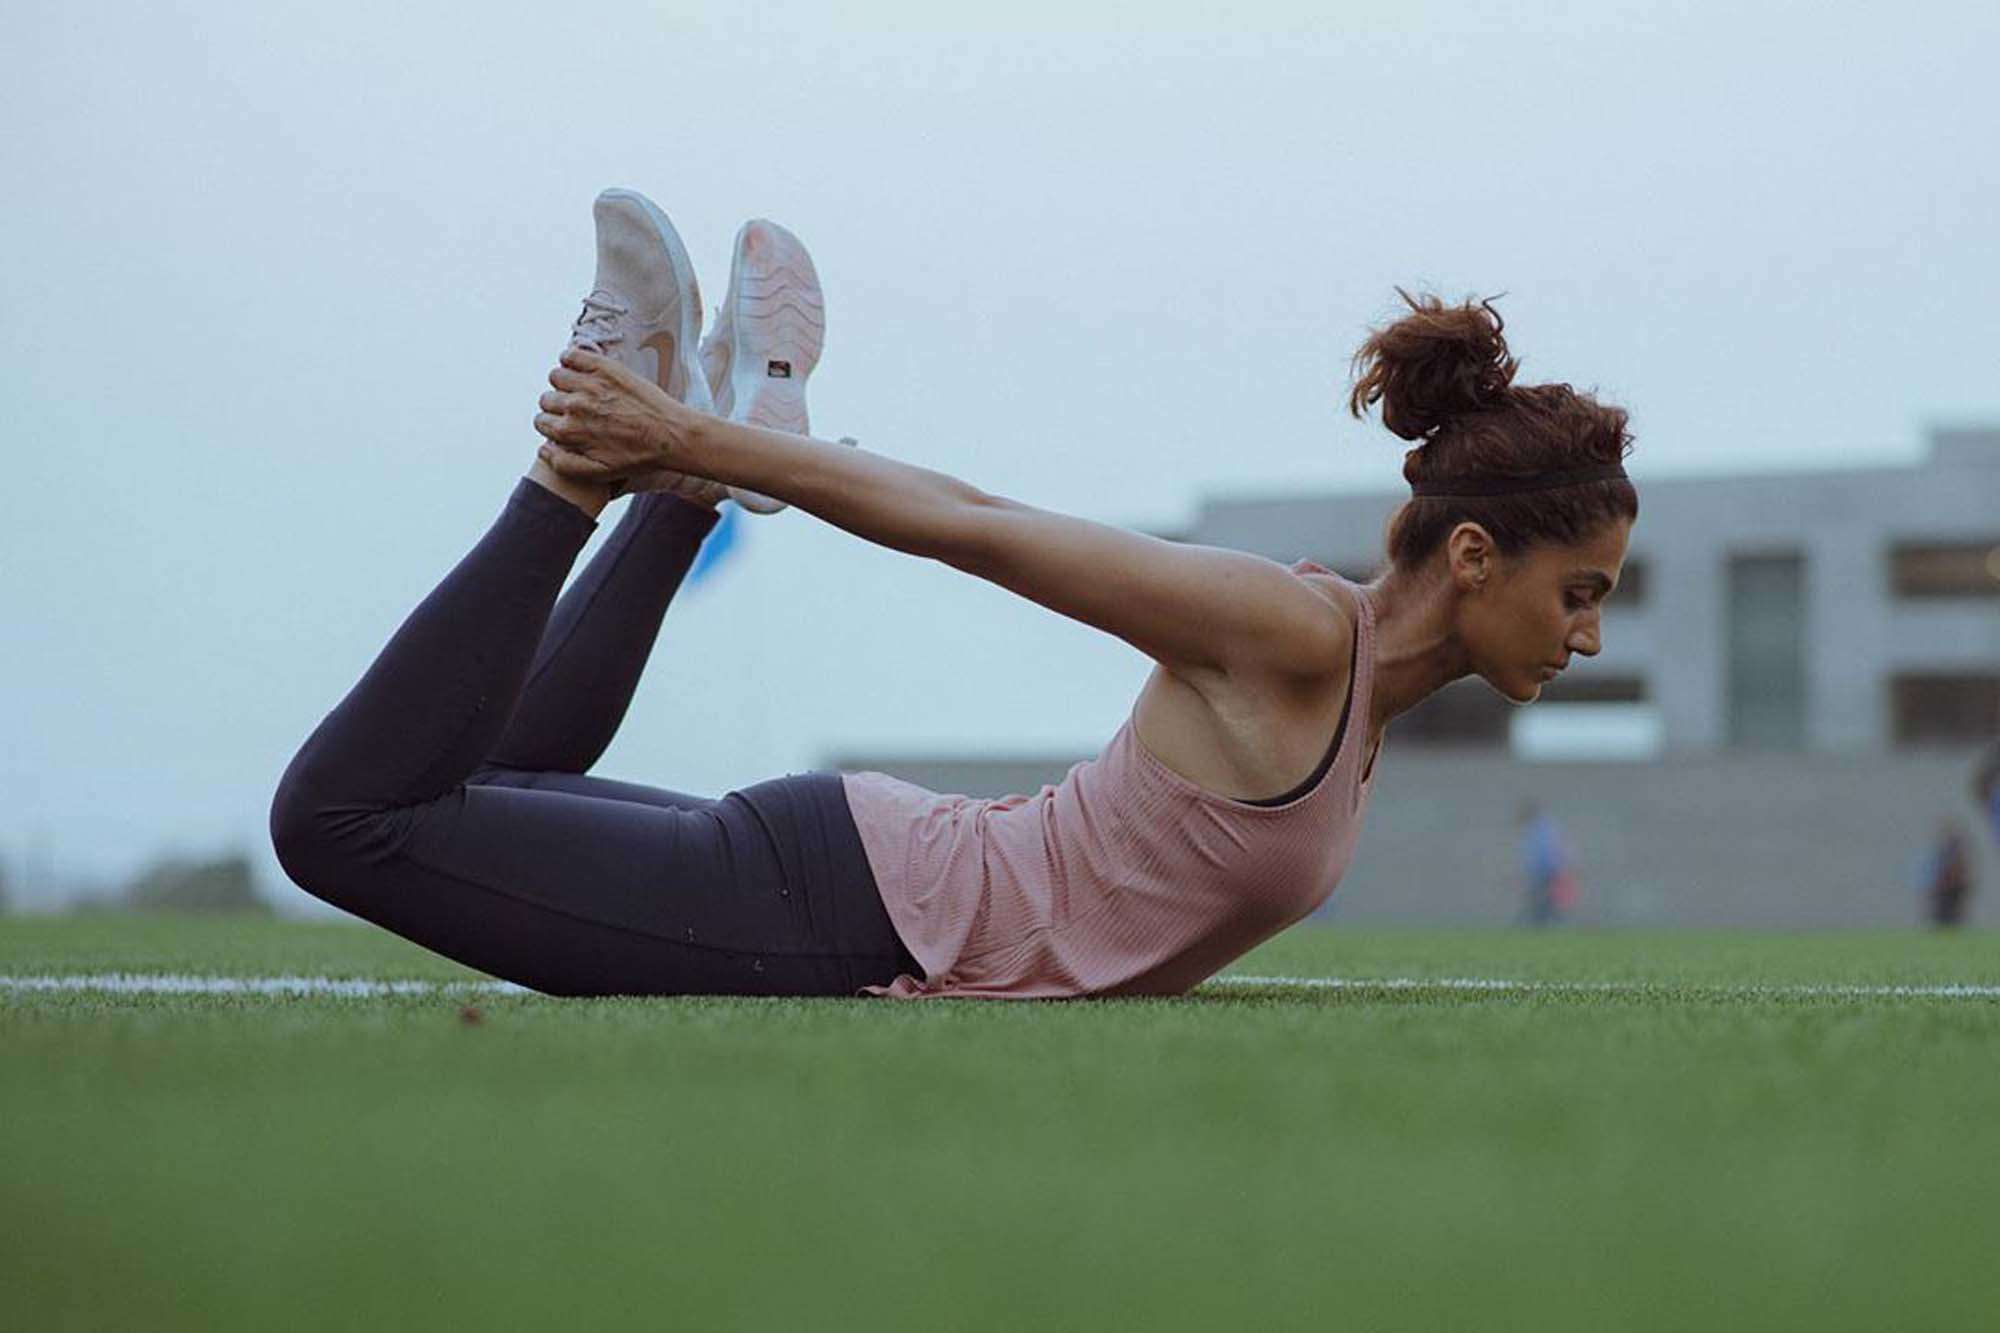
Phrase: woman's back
pixel 1124 878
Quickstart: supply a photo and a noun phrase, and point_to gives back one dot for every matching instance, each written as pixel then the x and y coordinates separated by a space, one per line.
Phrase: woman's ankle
pixel 590 498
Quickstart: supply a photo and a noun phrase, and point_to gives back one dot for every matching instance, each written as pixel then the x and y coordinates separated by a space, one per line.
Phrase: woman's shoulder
pixel 1343 603
pixel 1334 587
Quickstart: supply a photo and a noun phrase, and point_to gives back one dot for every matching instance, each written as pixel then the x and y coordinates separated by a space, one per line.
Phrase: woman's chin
pixel 1516 689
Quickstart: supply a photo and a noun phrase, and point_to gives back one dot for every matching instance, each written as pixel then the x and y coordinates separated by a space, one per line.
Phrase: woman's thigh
pixel 579 895
pixel 583 784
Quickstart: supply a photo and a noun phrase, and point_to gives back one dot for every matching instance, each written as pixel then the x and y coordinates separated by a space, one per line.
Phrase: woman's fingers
pixel 601 415
pixel 566 464
pixel 569 463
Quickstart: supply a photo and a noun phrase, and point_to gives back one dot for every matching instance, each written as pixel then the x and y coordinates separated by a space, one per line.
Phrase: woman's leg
pixel 762 892
pixel 580 784
pixel 588 664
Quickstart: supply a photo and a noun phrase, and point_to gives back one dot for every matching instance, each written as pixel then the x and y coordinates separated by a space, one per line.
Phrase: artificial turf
pixel 1711 1144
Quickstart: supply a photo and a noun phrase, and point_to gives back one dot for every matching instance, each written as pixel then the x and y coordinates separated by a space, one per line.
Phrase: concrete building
pixel 1798 672
pixel 1839 612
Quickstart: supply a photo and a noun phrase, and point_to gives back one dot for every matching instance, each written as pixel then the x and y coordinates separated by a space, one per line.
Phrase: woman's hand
pixel 606 423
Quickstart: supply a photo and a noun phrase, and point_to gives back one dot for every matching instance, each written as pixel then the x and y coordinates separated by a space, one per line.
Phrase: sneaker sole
pixel 778 328
pixel 684 381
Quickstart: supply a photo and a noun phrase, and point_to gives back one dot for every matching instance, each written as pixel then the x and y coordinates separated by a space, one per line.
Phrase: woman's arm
pixel 1190 608
pixel 898 505
pixel 1194 609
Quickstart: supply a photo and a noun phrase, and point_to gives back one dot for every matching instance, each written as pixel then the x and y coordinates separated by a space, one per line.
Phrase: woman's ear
pixel 1471 556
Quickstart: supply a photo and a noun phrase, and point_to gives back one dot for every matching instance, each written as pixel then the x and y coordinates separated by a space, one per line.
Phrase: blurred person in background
pixel 1549 879
pixel 1948 877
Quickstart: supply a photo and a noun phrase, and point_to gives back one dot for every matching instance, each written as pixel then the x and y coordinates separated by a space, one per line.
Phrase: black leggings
pixel 444 799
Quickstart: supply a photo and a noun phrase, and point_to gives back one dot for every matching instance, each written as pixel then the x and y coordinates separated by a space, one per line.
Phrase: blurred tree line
pixel 224 883
pixel 174 884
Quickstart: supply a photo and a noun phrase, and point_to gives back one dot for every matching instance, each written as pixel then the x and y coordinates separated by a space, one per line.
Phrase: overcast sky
pixel 280 284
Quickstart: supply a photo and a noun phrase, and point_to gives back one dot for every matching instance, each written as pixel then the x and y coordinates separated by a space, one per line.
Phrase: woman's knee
pixel 301 837
pixel 327 846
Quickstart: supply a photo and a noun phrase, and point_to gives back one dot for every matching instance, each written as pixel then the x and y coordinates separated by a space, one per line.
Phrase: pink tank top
pixel 1123 879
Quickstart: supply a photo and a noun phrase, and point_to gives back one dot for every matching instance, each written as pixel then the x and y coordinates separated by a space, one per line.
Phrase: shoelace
pixel 599 325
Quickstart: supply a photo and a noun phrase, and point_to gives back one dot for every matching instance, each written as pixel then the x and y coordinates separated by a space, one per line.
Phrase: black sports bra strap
pixel 1339 734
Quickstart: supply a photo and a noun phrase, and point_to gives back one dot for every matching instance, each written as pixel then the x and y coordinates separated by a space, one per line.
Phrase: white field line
pixel 182 984
pixel 171 983
pixel 1950 991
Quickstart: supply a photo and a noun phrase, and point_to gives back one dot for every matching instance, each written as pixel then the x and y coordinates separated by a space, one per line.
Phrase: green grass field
pixel 1686 1151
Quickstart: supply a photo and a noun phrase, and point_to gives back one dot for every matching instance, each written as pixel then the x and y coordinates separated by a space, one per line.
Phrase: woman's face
pixel 1521 617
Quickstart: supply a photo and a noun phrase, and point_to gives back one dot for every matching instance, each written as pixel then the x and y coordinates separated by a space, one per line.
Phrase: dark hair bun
pixel 1436 363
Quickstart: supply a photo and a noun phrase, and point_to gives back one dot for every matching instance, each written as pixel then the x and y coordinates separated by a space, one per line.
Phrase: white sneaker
pixel 766 339
pixel 645 313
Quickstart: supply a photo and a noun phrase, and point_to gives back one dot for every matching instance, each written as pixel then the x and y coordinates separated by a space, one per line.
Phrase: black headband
pixel 1465 488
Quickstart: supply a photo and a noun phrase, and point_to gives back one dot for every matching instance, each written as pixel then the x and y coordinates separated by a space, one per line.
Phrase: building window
pixel 1767 651
pixel 1632 587
pixel 1465 712
pixel 1590 717
pixel 1595 690
pixel 1945 708
pixel 1945 569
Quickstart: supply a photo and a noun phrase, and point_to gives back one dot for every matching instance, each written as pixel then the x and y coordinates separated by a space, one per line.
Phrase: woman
pixel 445 798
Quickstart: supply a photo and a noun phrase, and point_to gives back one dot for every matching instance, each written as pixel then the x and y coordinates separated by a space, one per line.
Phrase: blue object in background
pixel 1542 856
pixel 716 547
